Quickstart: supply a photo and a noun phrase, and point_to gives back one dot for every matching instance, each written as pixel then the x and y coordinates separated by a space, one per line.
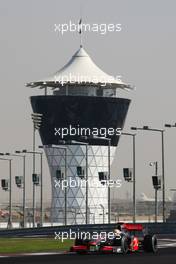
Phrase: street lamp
pixel 157 186
pixel 109 173
pixel 36 182
pixel 24 180
pixel 87 178
pixel 134 172
pixel 170 126
pixel 37 120
pixel 65 178
pixel 9 225
pixel 163 165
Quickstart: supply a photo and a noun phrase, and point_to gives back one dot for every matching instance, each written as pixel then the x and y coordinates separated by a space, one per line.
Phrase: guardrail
pixel 154 228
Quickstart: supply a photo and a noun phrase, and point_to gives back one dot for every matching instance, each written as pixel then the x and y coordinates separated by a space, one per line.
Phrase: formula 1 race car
pixel 127 238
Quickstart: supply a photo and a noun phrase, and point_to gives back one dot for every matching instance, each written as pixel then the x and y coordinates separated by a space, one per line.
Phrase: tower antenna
pixel 80 26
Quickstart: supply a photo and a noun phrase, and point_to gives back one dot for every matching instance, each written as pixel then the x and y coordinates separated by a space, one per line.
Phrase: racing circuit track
pixel 165 255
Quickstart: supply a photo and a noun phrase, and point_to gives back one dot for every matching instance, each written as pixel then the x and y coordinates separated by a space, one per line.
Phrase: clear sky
pixel 143 53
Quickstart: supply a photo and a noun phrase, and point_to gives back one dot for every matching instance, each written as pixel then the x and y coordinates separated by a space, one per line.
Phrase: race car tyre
pixel 124 245
pixel 150 243
pixel 81 252
pixel 78 242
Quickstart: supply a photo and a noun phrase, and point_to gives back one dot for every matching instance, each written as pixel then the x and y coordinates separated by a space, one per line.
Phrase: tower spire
pixel 80 32
pixel 80 26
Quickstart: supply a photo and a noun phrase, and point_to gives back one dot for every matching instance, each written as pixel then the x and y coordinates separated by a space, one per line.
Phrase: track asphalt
pixel 166 255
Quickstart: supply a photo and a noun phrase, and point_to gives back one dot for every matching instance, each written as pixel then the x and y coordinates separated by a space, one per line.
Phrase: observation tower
pixel 82 100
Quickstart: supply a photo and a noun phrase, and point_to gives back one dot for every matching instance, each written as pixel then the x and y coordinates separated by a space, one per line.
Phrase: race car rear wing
pixel 133 227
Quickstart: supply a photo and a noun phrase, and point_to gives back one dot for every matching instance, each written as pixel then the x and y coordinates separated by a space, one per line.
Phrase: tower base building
pixel 97 162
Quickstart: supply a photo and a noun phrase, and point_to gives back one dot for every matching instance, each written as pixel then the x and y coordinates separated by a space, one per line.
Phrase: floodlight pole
pixel 146 128
pixel 87 177
pixel 41 184
pixel 24 182
pixel 163 178
pixel 65 178
pixel 134 180
pixel 109 173
pixel 156 190
pixel 109 178
pixel 41 189
pixel 10 194
pixel 134 172
pixel 37 119
pixel 65 193
pixel 9 225
pixel 33 206
pixel 156 205
pixel 156 195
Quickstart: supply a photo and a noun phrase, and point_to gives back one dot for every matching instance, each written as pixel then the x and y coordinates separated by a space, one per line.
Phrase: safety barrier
pixel 154 228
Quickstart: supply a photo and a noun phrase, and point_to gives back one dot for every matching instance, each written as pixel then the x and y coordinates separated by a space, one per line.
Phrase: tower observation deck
pixel 80 132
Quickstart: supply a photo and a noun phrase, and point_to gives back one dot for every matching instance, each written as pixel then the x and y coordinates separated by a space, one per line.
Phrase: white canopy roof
pixel 80 70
